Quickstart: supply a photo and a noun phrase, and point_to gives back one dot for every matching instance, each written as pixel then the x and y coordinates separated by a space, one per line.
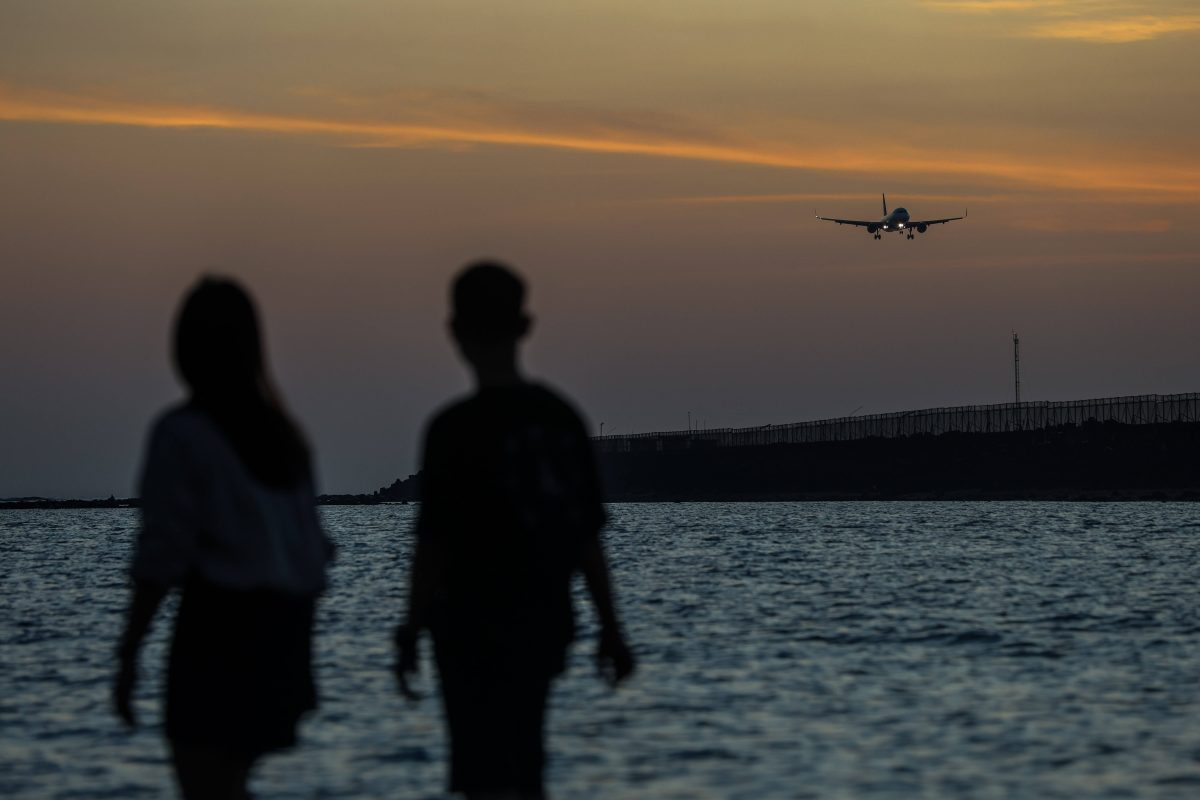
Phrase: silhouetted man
pixel 510 510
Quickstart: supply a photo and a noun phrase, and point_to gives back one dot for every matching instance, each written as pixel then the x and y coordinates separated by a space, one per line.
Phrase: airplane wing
pixel 912 223
pixel 859 222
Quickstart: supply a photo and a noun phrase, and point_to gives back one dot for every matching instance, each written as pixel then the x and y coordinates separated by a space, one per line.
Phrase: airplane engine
pixel 872 228
pixel 922 228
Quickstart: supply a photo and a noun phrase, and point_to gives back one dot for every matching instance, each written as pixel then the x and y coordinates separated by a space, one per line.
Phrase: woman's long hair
pixel 219 354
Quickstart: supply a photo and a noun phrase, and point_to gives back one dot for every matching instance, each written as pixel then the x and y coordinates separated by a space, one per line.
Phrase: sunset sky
pixel 652 167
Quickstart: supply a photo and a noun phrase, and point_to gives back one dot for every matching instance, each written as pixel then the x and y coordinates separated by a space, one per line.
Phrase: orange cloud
pixel 992 5
pixel 1096 21
pixel 805 197
pixel 1032 195
pixel 1112 173
pixel 1117 31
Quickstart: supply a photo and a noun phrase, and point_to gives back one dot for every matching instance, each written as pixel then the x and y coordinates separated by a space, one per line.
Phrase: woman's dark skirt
pixel 239 675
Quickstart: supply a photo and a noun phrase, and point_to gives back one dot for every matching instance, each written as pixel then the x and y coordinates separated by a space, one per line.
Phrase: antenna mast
pixel 1017 364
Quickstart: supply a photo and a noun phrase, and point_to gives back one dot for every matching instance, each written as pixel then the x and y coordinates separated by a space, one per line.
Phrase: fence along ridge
pixel 996 418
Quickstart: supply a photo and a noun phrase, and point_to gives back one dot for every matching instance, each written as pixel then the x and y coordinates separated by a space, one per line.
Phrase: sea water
pixel 823 650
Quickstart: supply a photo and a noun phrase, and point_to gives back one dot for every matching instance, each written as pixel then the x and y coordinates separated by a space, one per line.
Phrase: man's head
pixel 488 300
pixel 488 318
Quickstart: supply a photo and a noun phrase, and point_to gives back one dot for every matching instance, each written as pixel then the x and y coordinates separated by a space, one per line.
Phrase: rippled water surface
pixel 787 650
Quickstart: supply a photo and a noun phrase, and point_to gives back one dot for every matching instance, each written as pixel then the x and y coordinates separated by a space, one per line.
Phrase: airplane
pixel 896 222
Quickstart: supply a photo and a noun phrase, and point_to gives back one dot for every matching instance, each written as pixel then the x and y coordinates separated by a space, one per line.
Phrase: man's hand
pixel 614 660
pixel 406 661
pixel 123 690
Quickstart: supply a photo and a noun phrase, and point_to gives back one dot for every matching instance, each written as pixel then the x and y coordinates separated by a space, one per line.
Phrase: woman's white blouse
pixel 205 515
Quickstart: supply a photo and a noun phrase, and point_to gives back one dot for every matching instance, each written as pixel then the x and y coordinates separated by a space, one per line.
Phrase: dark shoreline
pixel 45 504
pixel 1094 462
pixel 1097 496
pixel 42 504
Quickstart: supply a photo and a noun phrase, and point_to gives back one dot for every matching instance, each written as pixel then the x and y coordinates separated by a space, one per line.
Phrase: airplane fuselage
pixel 895 221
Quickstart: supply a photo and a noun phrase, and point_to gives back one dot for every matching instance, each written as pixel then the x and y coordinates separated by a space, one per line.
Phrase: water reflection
pixel 859 650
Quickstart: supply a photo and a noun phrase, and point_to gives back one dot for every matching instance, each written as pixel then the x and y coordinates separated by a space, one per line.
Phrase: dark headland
pixel 1144 447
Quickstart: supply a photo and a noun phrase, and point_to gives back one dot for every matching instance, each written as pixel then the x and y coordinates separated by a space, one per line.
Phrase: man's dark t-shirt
pixel 510 495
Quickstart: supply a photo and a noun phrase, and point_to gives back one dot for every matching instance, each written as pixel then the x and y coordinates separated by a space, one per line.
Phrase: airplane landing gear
pixel 879 236
pixel 910 236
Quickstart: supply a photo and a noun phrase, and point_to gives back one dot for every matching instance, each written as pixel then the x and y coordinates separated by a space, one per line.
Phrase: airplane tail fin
pixel 884 205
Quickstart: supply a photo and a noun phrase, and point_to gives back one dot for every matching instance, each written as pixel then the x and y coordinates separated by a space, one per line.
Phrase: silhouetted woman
pixel 228 518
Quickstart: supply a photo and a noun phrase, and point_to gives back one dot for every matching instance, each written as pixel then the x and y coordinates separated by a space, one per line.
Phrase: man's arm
pixel 423 576
pixel 613 657
pixel 424 572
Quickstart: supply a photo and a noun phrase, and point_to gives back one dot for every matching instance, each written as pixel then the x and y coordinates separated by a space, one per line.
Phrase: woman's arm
pixel 143 603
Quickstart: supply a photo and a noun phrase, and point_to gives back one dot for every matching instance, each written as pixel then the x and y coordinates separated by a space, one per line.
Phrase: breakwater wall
pixel 1123 448
pixel 1146 409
